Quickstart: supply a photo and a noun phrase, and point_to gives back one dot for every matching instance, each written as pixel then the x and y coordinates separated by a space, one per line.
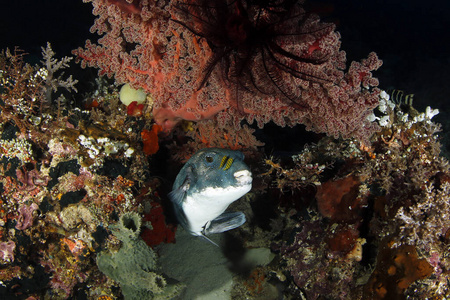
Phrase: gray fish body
pixel 207 184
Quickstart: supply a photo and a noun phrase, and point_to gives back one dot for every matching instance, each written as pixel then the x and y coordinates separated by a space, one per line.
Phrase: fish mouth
pixel 243 177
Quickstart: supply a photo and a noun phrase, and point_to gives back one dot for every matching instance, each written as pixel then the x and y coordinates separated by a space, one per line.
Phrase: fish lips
pixel 243 177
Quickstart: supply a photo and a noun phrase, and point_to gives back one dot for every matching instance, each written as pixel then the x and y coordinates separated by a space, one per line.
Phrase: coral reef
pixel 66 174
pixel 401 267
pixel 391 198
pixel 156 229
pixel 362 212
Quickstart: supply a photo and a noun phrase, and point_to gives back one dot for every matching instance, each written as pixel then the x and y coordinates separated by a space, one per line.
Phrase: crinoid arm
pixel 261 47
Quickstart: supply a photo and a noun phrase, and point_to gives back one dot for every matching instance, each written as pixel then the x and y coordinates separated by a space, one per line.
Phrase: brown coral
pixel 338 199
pixel 396 269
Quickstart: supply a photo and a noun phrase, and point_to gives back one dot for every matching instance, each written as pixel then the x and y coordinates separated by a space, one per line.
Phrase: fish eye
pixel 209 159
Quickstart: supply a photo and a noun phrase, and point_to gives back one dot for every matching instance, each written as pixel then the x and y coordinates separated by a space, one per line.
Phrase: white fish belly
pixel 210 204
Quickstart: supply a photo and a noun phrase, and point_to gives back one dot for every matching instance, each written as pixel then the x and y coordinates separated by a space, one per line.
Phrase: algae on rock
pixel 134 265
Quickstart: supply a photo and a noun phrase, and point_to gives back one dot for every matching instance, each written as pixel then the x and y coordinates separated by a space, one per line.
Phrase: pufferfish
pixel 207 184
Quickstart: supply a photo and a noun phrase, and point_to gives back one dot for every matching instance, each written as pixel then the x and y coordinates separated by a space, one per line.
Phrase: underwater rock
pixel 134 265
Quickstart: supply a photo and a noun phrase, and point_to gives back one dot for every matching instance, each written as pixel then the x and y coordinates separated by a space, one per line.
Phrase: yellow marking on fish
pixel 222 163
pixel 229 163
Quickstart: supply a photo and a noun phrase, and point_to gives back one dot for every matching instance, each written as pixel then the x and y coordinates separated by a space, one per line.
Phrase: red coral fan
pixel 128 6
pixel 198 71
pixel 207 134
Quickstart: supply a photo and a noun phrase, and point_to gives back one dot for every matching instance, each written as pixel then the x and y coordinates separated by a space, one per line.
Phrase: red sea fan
pixel 231 60
pixel 264 47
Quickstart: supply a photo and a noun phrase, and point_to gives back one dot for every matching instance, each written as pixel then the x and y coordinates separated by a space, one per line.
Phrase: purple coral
pixel 31 179
pixel 25 218
pixel 7 250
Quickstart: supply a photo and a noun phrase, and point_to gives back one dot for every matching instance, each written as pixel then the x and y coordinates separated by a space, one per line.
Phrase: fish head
pixel 207 184
pixel 217 169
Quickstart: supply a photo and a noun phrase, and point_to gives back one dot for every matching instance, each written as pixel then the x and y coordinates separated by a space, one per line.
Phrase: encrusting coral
pixel 7 250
